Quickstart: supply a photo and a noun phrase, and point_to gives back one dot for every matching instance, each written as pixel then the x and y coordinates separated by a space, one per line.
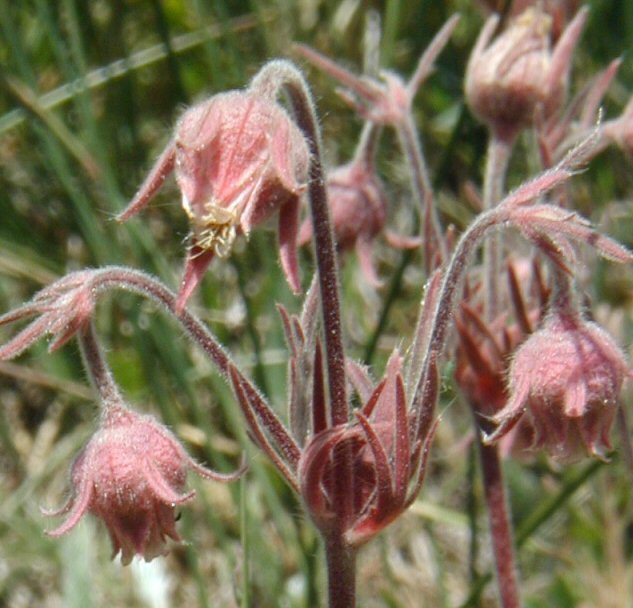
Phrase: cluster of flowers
pixel 534 369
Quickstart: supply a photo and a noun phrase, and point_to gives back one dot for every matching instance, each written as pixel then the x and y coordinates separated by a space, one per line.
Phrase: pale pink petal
pixel 79 507
pixel 575 399
pixel 206 473
pixel 196 264
pixel 160 487
pixel 399 241
pixel 288 227
pixel 161 169
pixel 364 251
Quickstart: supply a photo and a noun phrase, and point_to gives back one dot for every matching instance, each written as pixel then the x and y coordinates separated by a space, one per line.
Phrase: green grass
pixel 88 95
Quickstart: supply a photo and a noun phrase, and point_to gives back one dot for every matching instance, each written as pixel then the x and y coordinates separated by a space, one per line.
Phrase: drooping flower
pixel 132 474
pixel 509 78
pixel 566 378
pixel 358 210
pixel 238 158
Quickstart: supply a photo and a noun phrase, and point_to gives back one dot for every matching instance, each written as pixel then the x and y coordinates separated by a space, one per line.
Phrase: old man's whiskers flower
pixel 510 78
pixel 215 229
pixel 131 475
pixel 566 379
pixel 354 447
pixel 132 472
pixel 238 158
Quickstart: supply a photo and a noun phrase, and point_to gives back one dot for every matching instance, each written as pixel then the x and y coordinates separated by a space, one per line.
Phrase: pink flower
pixel 566 377
pixel 132 475
pixel 358 209
pixel 238 158
pixel 508 79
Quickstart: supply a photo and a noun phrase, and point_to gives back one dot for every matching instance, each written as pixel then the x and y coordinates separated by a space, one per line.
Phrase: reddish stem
pixel 500 526
pixel 499 151
pixel 97 368
pixel 273 77
pixel 341 572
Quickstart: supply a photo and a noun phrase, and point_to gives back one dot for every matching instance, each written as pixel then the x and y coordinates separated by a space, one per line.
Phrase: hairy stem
pixel 423 191
pixel 117 277
pixel 341 572
pixel 496 167
pixel 500 526
pixel 97 368
pixel 271 78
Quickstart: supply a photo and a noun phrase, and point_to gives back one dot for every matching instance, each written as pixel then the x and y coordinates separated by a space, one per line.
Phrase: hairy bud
pixel 132 475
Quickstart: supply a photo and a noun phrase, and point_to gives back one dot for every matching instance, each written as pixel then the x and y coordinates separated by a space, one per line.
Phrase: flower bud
pixel 507 80
pixel 358 209
pixel 132 474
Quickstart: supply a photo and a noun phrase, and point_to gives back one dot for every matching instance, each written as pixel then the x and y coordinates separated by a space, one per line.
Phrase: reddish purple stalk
pixel 500 526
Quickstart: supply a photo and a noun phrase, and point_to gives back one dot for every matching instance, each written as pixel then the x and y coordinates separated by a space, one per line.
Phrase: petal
pixel 196 264
pixel 288 228
pixel 206 473
pixel 399 241
pixel 160 487
pixel 575 399
pixel 161 169
pixel 364 252
pixel 26 338
pixel 513 411
pixel 425 64
pixel 76 508
pixel 290 156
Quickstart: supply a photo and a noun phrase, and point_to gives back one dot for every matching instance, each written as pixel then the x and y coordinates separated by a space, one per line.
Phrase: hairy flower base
pixel 132 474
pixel 238 158
pixel 567 377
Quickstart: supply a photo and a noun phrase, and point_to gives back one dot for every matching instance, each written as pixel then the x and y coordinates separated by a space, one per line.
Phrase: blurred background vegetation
pixel 89 92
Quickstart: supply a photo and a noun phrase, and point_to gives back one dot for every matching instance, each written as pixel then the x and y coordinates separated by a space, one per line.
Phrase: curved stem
pixel 271 78
pixel 116 277
pixel 447 299
pixel 97 368
pixel 505 212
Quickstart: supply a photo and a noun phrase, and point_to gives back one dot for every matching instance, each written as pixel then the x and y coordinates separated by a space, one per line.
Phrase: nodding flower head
pixel 510 78
pixel 358 209
pixel 566 377
pixel 132 475
pixel 238 158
